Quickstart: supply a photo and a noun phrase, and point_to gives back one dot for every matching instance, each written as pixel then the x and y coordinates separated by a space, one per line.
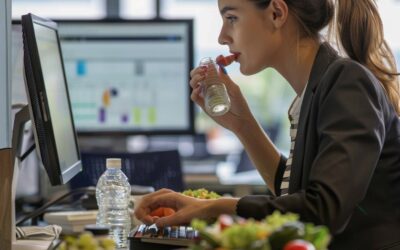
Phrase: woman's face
pixel 249 32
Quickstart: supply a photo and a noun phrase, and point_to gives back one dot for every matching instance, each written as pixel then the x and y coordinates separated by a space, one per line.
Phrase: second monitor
pixel 129 77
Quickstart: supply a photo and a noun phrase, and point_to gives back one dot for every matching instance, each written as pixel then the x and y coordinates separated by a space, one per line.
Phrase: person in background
pixel 343 170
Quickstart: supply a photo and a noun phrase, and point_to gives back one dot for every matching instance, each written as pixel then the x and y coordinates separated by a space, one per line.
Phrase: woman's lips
pixel 236 56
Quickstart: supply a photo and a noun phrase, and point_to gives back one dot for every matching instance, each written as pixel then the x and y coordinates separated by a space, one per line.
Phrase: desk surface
pixel 32 245
pixel 225 180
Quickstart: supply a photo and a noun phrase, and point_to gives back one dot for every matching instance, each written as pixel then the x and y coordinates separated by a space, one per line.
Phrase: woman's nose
pixel 223 39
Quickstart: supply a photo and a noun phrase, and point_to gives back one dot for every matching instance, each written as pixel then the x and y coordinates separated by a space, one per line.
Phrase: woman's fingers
pixel 185 208
pixel 178 202
pixel 197 96
pixel 197 75
pixel 150 199
pixel 147 204
pixel 198 70
pixel 196 81
pixel 172 220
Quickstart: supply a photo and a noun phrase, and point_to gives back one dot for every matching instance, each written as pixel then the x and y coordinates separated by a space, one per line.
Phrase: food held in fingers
pixel 225 60
pixel 162 212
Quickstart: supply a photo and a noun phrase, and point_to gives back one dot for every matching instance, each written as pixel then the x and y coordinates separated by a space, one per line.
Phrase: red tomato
pixel 168 211
pixel 159 212
pixel 221 60
pixel 225 60
pixel 162 211
pixel 298 245
pixel 225 221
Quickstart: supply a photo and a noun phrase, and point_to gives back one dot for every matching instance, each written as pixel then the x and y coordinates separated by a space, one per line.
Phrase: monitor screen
pixel 129 77
pixel 48 99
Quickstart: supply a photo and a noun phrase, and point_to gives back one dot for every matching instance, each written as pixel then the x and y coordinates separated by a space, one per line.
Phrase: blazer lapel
pixel 325 56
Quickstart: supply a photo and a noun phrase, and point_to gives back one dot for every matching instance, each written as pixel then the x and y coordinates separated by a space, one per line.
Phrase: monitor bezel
pixel 39 106
pixel 190 130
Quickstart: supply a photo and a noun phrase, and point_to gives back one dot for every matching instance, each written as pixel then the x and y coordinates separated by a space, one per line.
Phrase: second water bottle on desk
pixel 113 193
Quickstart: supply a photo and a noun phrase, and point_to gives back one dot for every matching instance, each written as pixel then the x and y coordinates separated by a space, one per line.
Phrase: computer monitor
pixel 48 98
pixel 129 76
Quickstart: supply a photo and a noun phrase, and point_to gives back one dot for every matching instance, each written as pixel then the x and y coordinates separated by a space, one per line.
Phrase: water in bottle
pixel 113 194
pixel 216 96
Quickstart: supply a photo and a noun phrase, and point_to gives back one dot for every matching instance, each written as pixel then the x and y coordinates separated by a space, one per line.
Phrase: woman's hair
pixel 359 31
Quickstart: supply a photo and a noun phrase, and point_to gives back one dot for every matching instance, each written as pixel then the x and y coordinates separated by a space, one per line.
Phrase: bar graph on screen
pixel 129 76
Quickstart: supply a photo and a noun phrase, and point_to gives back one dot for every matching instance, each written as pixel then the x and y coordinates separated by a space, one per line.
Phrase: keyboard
pixel 151 237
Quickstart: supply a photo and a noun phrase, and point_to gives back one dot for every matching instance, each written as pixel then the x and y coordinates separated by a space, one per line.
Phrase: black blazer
pixel 346 162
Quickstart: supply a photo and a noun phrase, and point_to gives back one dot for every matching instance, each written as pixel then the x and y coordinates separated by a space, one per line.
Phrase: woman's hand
pixel 239 114
pixel 186 208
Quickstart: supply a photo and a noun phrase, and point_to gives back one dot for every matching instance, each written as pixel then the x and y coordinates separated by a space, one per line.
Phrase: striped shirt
pixel 294 114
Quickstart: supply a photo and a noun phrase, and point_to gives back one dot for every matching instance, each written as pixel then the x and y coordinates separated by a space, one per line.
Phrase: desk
pixel 32 245
pixel 225 180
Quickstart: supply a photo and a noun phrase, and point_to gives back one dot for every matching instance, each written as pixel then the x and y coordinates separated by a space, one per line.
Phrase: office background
pixel 268 94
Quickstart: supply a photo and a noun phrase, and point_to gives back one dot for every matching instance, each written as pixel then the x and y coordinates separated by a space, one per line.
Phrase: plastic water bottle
pixel 216 96
pixel 113 193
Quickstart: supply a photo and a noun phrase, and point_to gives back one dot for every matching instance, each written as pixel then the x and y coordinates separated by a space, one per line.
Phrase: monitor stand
pixel 8 181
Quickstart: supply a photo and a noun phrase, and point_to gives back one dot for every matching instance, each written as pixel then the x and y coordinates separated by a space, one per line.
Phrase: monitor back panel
pixel 161 169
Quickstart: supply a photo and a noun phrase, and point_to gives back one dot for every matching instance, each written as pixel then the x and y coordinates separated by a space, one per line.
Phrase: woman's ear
pixel 279 12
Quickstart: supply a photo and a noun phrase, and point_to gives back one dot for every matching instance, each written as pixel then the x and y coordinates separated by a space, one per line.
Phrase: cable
pixel 42 209
pixel 27 152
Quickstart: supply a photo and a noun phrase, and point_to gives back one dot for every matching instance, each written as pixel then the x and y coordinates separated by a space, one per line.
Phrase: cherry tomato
pixel 224 221
pixel 221 60
pixel 168 211
pixel 162 211
pixel 298 245
pixel 225 60
pixel 159 212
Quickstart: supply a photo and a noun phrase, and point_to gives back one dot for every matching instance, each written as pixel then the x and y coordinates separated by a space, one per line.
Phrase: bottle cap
pixel 206 61
pixel 113 163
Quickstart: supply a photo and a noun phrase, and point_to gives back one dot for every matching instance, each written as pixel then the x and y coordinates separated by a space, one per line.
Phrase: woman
pixel 344 165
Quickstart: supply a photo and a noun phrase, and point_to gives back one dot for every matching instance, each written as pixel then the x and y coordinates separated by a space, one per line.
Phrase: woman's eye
pixel 231 19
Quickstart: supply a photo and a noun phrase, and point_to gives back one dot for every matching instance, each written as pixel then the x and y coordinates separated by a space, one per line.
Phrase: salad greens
pixel 201 193
pixel 272 233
